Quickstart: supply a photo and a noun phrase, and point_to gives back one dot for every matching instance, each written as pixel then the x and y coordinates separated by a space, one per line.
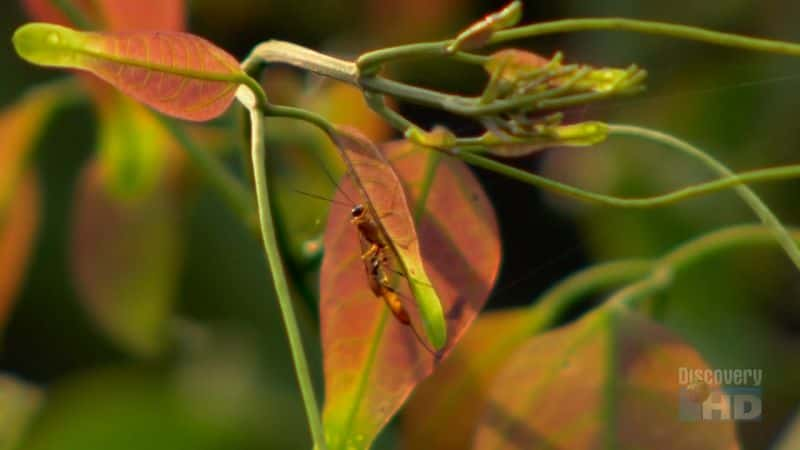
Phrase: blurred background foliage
pixel 220 375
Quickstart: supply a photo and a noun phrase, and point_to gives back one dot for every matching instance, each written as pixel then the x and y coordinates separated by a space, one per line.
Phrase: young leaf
pixel 126 258
pixel 381 190
pixel 179 74
pixel 372 361
pixel 609 380
pixel 18 225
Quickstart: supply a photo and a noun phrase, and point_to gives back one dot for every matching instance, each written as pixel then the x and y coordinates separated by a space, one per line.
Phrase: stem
pixel 232 191
pixel 663 271
pixel 696 190
pixel 301 57
pixel 376 58
pixel 762 211
pixel 74 14
pixel 648 27
pixel 279 278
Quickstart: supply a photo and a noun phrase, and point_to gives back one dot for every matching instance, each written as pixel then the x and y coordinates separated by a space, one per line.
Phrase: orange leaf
pixel 179 74
pixel 372 362
pixel 116 15
pixel 18 227
pixel 609 380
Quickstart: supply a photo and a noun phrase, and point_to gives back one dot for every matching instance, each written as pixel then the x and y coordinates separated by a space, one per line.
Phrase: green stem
pixel 648 27
pixel 74 14
pixel 761 210
pixel 371 60
pixel 279 278
pixel 232 191
pixel 696 190
pixel 663 271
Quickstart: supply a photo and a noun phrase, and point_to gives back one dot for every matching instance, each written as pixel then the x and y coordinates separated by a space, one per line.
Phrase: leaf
pixel 179 74
pixel 372 362
pixel 116 15
pixel 609 380
pixel 20 127
pixel 584 134
pixel 790 437
pixel 126 258
pixel 18 403
pixel 381 190
pixel 18 227
pixel 446 407
pixel 133 147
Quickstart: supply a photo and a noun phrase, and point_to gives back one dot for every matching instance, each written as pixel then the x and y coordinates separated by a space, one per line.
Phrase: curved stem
pixel 761 210
pixel 755 176
pixel 279 279
pixel 376 58
pixel 663 270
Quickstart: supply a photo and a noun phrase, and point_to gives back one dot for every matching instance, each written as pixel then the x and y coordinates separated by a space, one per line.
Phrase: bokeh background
pixel 224 378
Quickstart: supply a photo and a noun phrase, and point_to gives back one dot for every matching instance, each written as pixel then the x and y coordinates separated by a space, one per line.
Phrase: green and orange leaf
pixel 18 225
pixel 379 187
pixel 126 256
pixel 179 74
pixel 373 362
pixel 607 381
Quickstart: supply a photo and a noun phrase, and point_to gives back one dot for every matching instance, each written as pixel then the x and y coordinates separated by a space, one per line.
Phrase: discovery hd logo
pixel 720 394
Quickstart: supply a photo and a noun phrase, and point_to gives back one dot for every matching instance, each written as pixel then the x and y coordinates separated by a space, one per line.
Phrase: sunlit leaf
pixel 584 134
pixel 380 189
pixel 132 147
pixel 126 257
pixel 609 380
pixel 18 403
pixel 372 362
pixel 18 227
pixel 179 74
pixel 446 407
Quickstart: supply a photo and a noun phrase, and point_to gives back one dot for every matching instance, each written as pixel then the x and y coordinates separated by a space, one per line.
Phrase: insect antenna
pixel 321 197
pixel 334 183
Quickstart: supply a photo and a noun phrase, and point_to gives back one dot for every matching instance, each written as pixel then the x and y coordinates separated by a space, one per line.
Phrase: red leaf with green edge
pixel 126 260
pixel 179 74
pixel 19 403
pixel 18 225
pixel 446 407
pixel 609 380
pixel 20 127
pixel 133 147
pixel 372 362
pixel 116 15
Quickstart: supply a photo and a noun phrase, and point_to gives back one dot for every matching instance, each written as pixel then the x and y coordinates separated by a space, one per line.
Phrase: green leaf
pixel 372 362
pixel 609 380
pixel 126 258
pixel 179 74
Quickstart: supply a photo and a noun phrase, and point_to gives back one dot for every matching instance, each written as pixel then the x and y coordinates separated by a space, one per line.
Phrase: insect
pixel 377 255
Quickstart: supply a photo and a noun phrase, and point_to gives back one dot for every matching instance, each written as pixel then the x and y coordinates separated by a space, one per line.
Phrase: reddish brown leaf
pixel 372 362
pixel 176 73
pixel 609 380
pixel 18 225
pixel 126 258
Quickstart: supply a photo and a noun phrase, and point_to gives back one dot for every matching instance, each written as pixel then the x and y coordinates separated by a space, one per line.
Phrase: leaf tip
pixel 44 44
